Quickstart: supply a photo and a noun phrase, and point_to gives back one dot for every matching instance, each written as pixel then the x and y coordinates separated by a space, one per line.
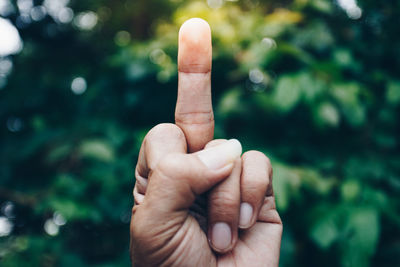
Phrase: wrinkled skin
pixel 187 183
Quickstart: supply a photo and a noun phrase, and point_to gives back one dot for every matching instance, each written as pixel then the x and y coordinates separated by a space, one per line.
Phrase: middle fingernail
pixel 221 236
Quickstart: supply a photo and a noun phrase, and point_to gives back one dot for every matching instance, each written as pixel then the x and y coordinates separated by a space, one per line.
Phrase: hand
pixel 237 192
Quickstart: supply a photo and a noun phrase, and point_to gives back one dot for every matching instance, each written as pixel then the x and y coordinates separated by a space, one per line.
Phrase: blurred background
pixel 315 84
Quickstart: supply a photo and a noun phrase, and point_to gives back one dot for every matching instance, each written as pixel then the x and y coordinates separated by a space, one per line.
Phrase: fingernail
pixel 219 156
pixel 246 213
pixel 221 236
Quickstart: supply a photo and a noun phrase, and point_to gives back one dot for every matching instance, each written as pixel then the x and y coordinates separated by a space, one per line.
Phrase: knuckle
pixel 161 140
pixel 250 197
pixel 195 118
pixel 256 184
pixel 164 130
pixel 138 196
pixel 254 154
pixel 223 198
pixel 224 203
pixel 224 209
pixel 254 191
pixel 256 180
pixel 258 158
pixel 139 177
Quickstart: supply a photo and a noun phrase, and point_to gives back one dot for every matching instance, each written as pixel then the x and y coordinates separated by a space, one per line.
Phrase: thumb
pixel 178 178
pixel 161 221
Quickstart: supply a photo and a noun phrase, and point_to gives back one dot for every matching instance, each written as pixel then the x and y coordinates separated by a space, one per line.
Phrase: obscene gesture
pixel 199 201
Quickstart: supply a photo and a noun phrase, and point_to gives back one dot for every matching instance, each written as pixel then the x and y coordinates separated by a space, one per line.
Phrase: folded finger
pixel 255 185
pixel 223 212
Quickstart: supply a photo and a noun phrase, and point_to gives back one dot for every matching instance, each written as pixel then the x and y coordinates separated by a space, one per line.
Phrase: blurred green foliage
pixel 312 83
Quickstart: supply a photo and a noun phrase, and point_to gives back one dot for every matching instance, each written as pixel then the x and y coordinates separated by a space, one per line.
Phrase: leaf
pixel 70 209
pixel 314 181
pixel 97 150
pixel 284 16
pixel 393 92
pixel 350 190
pixel 286 181
pixel 354 228
pixel 230 102
pixel 363 230
pixel 324 6
pixel 311 87
pixel 325 231
pixel 287 93
pixel 348 97
pixel 59 153
pixel 327 114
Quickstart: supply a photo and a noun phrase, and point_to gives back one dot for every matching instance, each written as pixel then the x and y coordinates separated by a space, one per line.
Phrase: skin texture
pixel 194 113
pixel 190 188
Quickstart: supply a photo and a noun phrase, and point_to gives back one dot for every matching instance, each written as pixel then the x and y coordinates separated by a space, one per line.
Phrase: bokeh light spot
pixel 157 56
pixel 24 6
pixel 11 42
pixel 86 20
pixel 78 85
pixel 269 43
pixel 6 226
pixel 38 13
pixel 6 8
pixel 8 209
pixel 6 66
pixel 65 15
pixel 51 228
pixel 256 76
pixel 59 219
pixel 58 10
pixel 122 38
pixel 353 11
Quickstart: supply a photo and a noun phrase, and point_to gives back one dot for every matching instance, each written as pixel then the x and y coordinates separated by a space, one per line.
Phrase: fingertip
pixel 195 23
pixel 215 142
pixel 217 157
pixel 195 51
pixel 236 147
